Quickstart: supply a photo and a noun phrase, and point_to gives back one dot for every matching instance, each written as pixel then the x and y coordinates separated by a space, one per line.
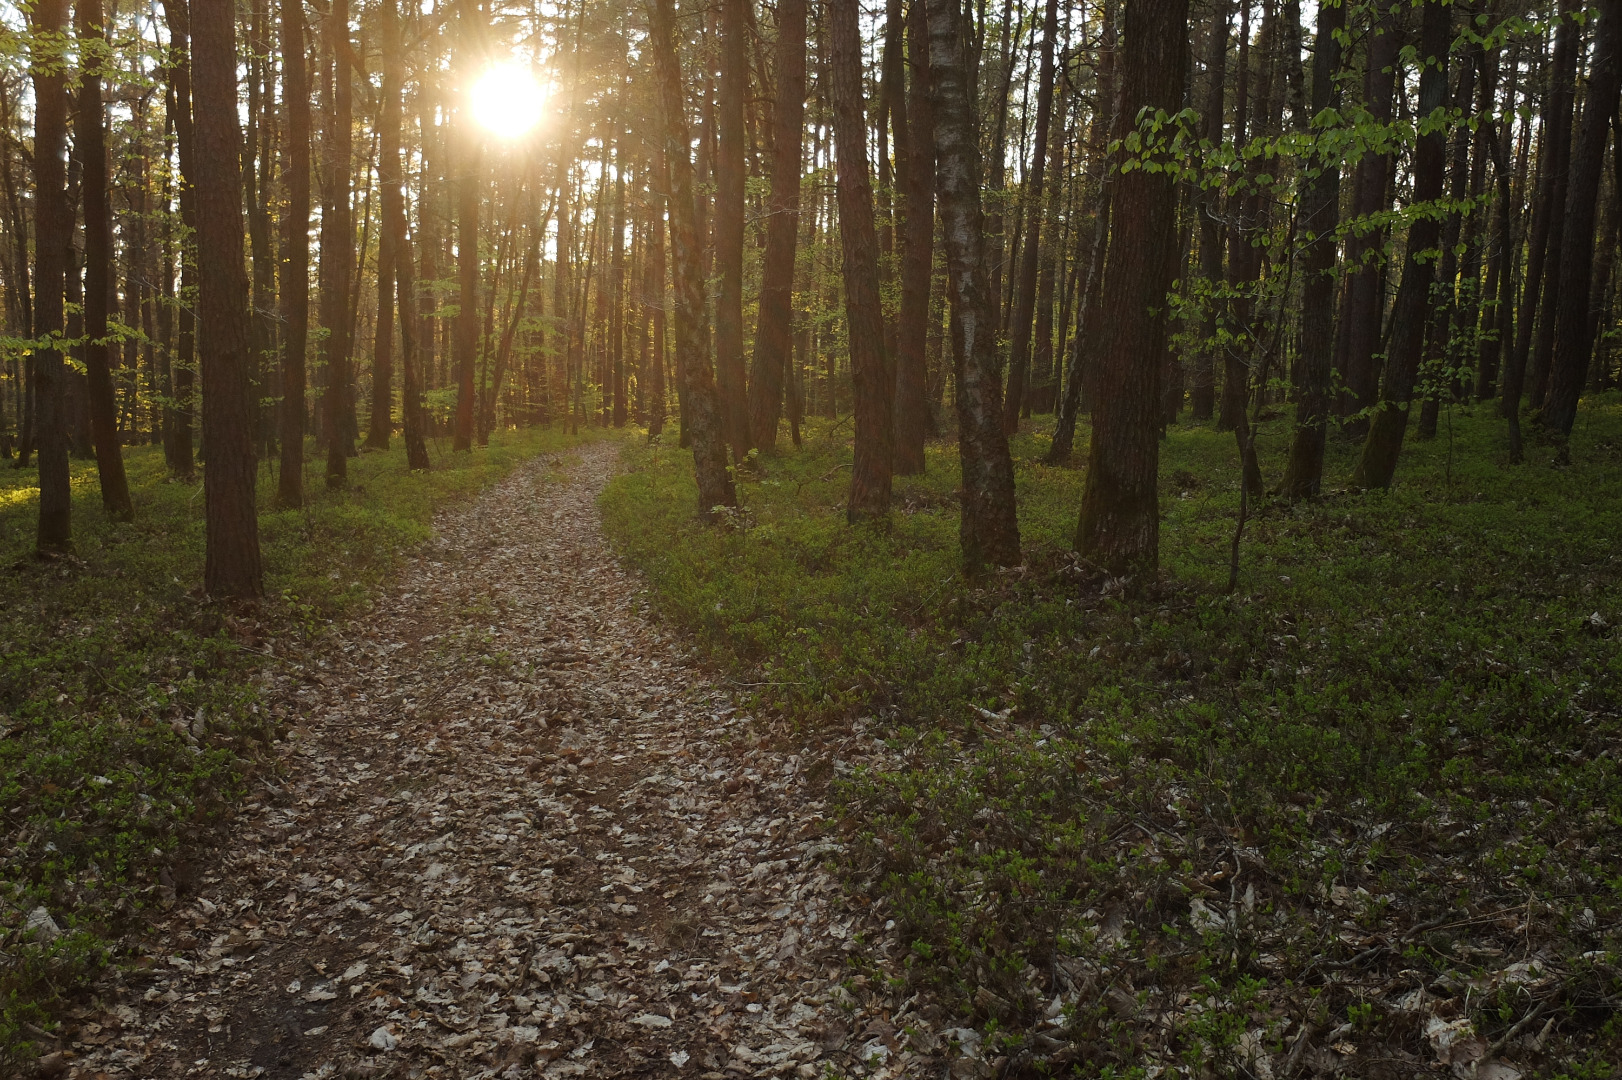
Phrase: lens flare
pixel 507 100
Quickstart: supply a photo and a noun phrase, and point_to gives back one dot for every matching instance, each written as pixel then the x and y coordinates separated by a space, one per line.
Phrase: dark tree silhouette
pixel 232 564
pixel 1119 527
pixel 98 254
pixel 53 228
pixel 773 330
pixel 295 277
pixel 1320 205
pixel 871 372
pixel 702 419
pixel 1378 463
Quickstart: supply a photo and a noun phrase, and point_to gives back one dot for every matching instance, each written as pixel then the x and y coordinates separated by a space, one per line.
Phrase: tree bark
pixel 256 182
pixel 392 172
pixel 774 329
pixel 1019 360
pixel 702 418
pixel 1442 342
pixel 1363 302
pixel 912 416
pixel 654 295
pixel 1244 261
pixel 231 563
pixel 1381 449
pixel 1208 206
pixel 391 199
pixel 1498 242
pixel 616 286
pixel 1553 135
pixel 728 225
pixel 295 295
pixel 1119 528
pixel 871 372
pixel 184 363
pixel 1041 383
pixel 995 246
pixel 337 248
pixel 1319 216
pixel 1562 105
pixel 1089 312
pixel 1574 338
pixel 988 528
pixel 98 250
pixel 53 233
pixel 469 167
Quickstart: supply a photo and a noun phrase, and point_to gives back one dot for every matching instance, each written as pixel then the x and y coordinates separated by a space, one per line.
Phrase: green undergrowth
pixel 128 715
pixel 1147 823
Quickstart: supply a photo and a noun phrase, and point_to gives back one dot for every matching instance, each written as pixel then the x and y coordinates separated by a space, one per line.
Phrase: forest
pixel 561 538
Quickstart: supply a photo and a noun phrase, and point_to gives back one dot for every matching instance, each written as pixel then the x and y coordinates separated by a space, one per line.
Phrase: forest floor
pixel 1360 816
pixel 514 830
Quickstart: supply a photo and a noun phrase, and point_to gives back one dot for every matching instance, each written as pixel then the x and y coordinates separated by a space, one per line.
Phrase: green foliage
pixel 1150 799
pixel 129 717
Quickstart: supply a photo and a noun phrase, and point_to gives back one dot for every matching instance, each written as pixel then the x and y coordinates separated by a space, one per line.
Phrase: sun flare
pixel 507 100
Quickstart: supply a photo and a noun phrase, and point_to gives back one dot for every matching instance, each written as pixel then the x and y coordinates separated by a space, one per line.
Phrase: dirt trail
pixel 516 833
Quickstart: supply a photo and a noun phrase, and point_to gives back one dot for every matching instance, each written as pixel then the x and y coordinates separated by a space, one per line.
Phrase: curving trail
pixel 516 832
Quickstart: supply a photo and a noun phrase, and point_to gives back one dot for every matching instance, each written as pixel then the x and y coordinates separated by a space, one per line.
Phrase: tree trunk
pixel 184 364
pixel 1562 104
pixel 702 420
pixel 988 527
pixel 98 250
pixel 995 191
pixel 616 279
pixel 231 562
pixel 469 167
pixel 1363 301
pixel 1320 205
pixel 1378 463
pixel 1120 512
pixel 1242 257
pixel 1031 196
pixel 1495 140
pixel 1574 339
pixel 1089 312
pixel 391 205
pixel 1040 384
pixel 392 172
pixel 774 329
pixel 53 234
pixel 871 373
pixel 654 295
pixel 295 297
pixel 912 416
pixel 337 247
pixel 1442 344
pixel 1208 206
pixel 256 182
pixel 413 421
pixel 1604 266
pixel 728 225
pixel 1554 131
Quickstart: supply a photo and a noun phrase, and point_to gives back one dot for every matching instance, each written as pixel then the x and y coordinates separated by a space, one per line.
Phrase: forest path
pixel 516 832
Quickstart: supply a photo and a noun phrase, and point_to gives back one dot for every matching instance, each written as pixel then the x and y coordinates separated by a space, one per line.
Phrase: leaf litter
pixel 516 831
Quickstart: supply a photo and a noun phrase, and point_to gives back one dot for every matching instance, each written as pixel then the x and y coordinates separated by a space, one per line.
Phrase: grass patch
pixel 1158 827
pixel 129 719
